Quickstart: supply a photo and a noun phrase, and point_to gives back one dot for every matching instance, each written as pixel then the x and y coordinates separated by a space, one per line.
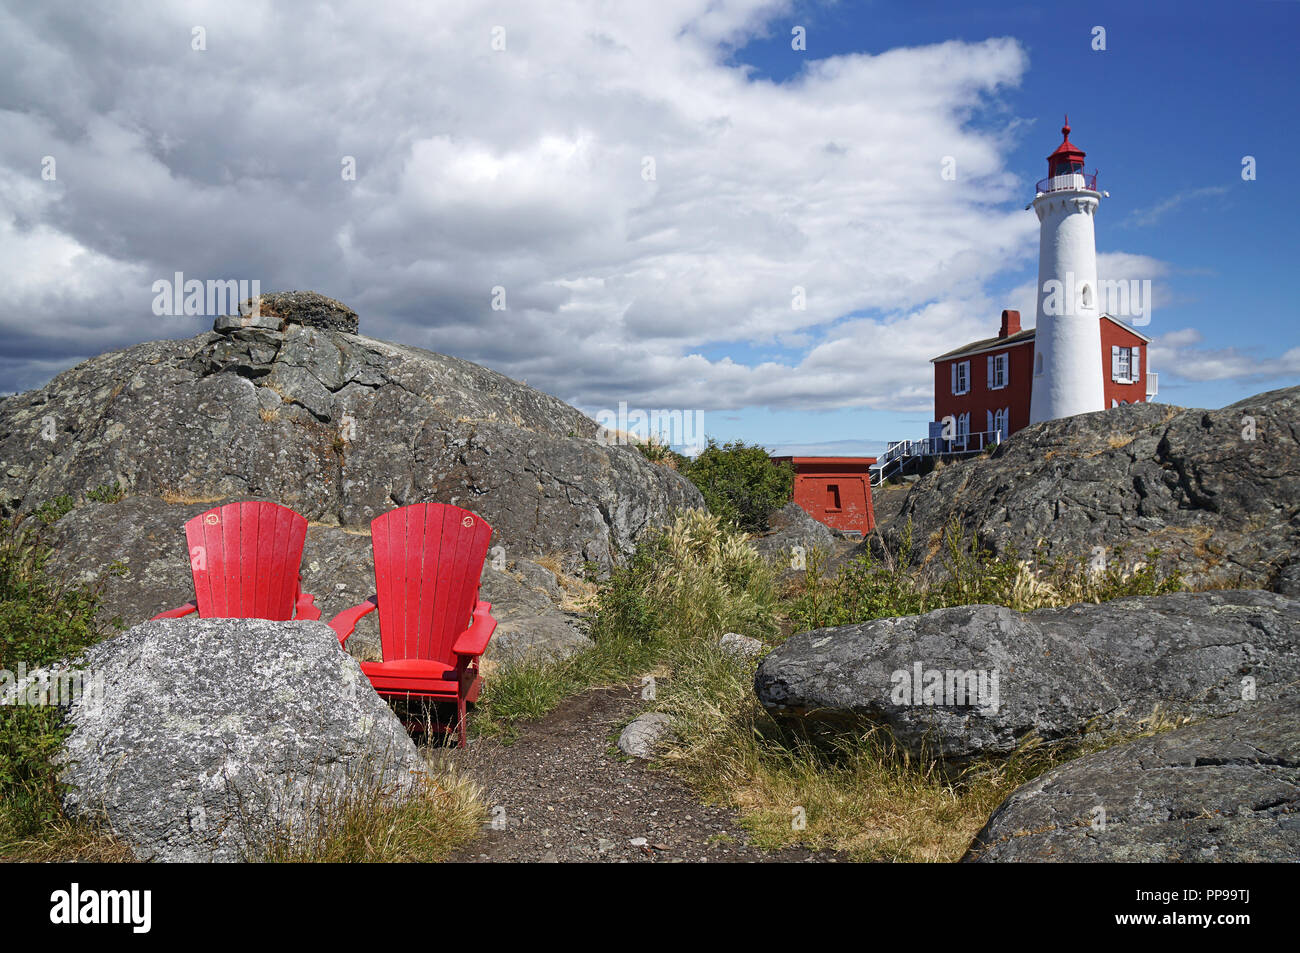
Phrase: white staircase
pixel 901 453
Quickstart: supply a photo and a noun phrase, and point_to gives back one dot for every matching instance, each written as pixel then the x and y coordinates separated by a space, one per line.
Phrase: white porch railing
pixel 1153 385
pixel 897 454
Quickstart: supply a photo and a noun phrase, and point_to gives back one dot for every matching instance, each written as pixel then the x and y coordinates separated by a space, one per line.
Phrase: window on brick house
pixel 961 377
pixel 1121 365
pixel 997 371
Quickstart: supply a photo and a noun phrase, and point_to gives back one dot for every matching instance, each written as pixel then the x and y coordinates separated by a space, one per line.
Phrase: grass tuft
pixel 362 826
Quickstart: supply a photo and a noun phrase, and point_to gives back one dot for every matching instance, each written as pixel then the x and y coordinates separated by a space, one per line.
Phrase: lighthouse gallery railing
pixel 1070 182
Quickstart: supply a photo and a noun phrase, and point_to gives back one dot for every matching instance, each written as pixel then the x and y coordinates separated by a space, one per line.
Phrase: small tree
pixel 740 483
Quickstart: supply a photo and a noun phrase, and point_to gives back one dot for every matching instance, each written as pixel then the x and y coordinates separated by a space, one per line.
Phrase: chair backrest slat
pixel 245 559
pixel 428 563
pixel 244 529
pixel 430 558
pixel 385 540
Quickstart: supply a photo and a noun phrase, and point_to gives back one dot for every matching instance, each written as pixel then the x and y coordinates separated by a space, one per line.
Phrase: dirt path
pixel 564 797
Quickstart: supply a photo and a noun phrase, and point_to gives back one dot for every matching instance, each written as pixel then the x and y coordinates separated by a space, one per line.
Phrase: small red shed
pixel 834 490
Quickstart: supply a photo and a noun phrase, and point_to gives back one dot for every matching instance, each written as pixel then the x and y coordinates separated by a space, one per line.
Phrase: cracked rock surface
pixel 1225 790
pixel 1217 491
pixel 338 426
pixel 1063 674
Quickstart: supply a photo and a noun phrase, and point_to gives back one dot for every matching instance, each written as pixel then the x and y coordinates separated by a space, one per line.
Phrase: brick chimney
pixel 1010 323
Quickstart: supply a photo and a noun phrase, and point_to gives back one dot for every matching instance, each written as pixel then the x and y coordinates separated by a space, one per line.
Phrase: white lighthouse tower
pixel 1067 343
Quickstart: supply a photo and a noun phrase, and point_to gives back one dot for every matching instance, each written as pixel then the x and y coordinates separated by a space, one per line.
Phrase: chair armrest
pixel 305 609
pixel 191 606
pixel 473 641
pixel 347 620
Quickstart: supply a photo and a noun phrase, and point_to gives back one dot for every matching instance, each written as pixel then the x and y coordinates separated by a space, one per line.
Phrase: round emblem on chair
pixel 467 522
pixel 212 519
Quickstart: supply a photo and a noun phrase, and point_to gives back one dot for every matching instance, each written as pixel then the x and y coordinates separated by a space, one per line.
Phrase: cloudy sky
pixel 683 209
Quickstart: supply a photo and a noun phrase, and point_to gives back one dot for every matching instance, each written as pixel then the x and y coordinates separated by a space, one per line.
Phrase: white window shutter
pixel 1135 370
pixel 989 426
pixel 991 360
pixel 954 377
pixel 1006 369
pixel 1114 363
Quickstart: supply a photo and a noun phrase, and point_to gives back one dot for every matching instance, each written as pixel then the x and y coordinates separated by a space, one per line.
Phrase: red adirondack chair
pixel 433 628
pixel 245 559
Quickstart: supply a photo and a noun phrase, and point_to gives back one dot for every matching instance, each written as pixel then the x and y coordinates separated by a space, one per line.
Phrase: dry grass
pixel 494 417
pixel 854 791
pixel 176 496
pixel 577 593
pixel 551 562
pixel 850 789
pixel 443 813
pixel 1118 441
pixel 67 841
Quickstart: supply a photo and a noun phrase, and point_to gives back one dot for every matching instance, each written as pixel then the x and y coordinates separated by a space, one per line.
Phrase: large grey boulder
pixel 204 739
pixel 1226 790
pixel 793 533
pixel 341 428
pixel 1062 674
pixel 1218 491
pixel 134 551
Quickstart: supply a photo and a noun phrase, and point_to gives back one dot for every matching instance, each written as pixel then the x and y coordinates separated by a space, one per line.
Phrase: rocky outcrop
pixel 791 527
pixel 134 551
pixel 975 680
pixel 1218 491
pixel 207 739
pixel 307 308
pixel 1226 790
pixel 338 426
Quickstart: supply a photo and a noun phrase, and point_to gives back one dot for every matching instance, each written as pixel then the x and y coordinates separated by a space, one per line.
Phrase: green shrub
pixel 686 585
pixel 106 493
pixel 740 483
pixel 53 510
pixel 42 621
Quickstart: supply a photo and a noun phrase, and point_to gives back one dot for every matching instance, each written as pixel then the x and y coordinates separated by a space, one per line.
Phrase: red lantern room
pixel 1065 167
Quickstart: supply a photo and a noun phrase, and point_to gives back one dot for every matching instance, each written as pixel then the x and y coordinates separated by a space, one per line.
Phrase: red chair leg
pixel 464 684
